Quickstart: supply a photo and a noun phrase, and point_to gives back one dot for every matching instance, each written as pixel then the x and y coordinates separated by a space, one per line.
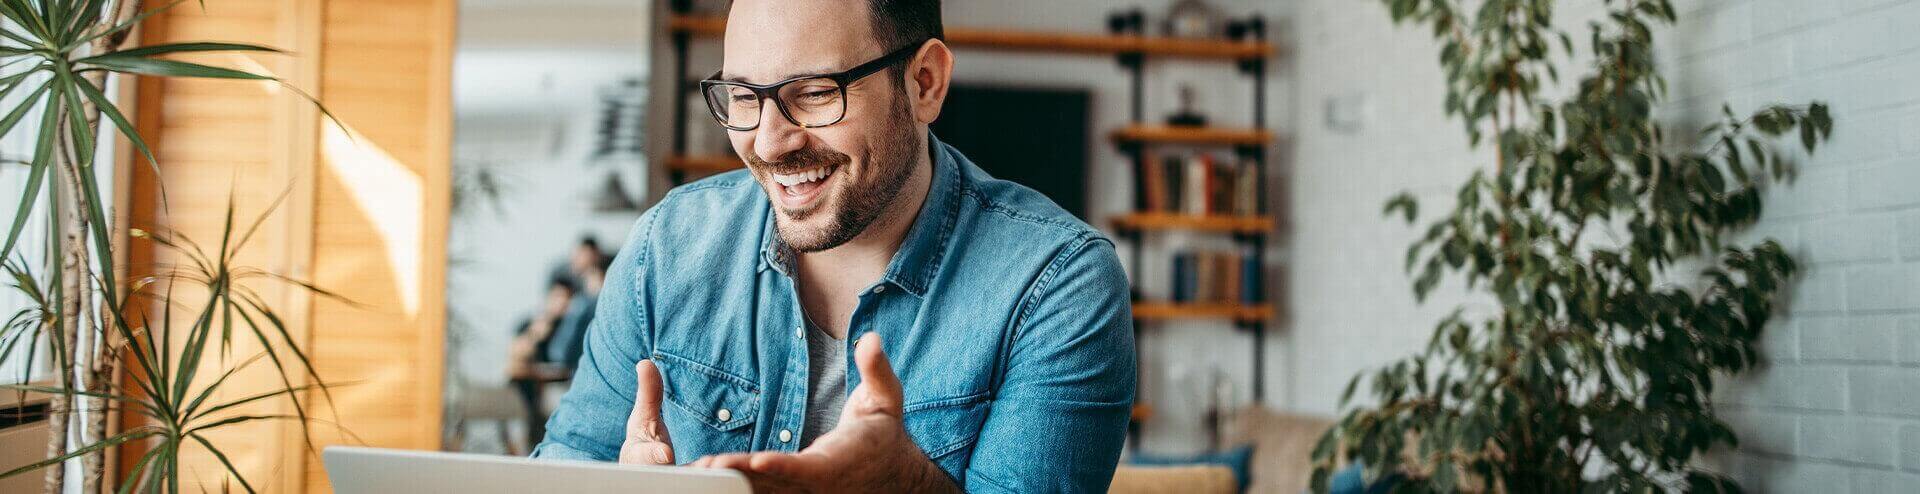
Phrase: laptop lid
pixel 357 470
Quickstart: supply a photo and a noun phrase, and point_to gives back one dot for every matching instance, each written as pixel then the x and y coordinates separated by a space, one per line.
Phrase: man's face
pixel 827 184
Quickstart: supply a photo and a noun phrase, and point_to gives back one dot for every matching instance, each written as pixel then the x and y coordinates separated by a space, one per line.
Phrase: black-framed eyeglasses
pixel 808 101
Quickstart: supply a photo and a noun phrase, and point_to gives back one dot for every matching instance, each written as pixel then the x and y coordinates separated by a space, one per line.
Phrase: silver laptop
pixel 356 470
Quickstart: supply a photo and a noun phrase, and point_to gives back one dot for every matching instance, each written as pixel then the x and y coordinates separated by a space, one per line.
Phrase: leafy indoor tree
pixel 55 56
pixel 1593 370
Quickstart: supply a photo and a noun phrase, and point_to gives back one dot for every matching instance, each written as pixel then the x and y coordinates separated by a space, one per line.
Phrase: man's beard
pixel 858 205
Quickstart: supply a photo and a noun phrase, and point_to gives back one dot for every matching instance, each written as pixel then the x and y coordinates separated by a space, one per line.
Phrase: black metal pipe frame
pixel 1259 70
pixel 1135 63
pixel 681 40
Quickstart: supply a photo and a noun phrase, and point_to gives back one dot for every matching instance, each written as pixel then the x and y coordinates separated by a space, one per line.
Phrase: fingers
pixel 881 387
pixel 736 461
pixel 765 482
pixel 647 440
pixel 801 465
pixel 646 396
pixel 770 471
pixel 646 453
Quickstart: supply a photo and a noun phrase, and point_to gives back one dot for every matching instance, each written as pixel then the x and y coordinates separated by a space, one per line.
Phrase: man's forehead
pixel 773 40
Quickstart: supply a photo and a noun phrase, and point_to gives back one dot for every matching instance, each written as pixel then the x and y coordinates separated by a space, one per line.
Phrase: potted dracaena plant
pixel 55 58
pixel 1593 370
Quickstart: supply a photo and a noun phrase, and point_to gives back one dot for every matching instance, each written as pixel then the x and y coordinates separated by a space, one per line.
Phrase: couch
pixel 1282 458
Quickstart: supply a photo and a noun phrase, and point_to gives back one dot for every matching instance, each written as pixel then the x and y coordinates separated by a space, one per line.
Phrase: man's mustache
pixel 800 160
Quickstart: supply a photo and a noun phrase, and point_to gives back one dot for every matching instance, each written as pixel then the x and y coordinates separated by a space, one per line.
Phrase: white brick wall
pixel 1836 408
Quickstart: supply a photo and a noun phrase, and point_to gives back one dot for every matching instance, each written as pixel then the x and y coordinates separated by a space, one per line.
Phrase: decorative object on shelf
pixel 1130 21
pixel 1249 29
pixel 1594 368
pixel 1186 116
pixel 1193 19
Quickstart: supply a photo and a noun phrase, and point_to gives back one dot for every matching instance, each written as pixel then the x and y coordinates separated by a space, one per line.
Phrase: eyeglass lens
pixel 807 102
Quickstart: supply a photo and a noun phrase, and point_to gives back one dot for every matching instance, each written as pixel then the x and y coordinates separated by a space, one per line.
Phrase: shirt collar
pixel 923 249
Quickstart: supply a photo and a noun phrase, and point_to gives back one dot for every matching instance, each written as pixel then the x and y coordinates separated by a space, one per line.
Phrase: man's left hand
pixel 868 451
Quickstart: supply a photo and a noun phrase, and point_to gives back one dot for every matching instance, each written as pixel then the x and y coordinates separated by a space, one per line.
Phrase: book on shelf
pixel 1215 277
pixel 1189 198
pixel 1197 184
pixel 1151 191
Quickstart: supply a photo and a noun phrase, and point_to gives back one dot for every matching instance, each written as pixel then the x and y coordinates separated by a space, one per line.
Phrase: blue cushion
pixel 1235 459
pixel 1352 480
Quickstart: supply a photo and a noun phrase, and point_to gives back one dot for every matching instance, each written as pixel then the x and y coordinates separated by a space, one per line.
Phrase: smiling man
pixel 861 309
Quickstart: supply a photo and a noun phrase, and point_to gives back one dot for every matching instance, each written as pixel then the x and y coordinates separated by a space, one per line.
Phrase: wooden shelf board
pixel 1193 135
pixel 1056 42
pixel 1175 221
pixel 1142 412
pixel 1187 310
pixel 704 164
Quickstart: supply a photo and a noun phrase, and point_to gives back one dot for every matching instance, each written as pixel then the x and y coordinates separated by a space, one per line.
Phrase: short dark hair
pixel 562 282
pixel 898 23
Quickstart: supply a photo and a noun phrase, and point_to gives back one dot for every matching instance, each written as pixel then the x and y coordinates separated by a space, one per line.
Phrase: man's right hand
pixel 647 442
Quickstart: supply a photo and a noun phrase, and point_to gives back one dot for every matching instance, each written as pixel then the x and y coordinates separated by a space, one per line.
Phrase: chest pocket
pixel 722 407
pixel 946 428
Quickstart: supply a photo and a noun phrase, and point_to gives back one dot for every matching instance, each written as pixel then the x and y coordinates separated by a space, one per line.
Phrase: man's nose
pixel 776 136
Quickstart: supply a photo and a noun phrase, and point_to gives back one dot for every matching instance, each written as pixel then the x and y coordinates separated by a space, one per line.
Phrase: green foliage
pixel 57 53
pixel 1594 371
pixel 164 386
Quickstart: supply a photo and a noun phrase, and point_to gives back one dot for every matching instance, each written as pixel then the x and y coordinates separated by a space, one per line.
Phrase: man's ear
pixel 928 78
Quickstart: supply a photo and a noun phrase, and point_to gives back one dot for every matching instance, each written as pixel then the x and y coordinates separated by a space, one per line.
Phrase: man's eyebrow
pixel 736 78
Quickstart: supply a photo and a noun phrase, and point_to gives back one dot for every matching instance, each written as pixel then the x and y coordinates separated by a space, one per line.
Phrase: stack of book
pixel 1197 184
pixel 1215 277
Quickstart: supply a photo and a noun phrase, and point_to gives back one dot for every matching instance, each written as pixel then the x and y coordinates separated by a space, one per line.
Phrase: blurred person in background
pixel 529 362
pixel 564 348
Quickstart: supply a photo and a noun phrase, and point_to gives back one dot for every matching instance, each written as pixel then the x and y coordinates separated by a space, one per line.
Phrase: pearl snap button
pixel 800 332
pixel 786 435
pixel 879 289
pixel 724 415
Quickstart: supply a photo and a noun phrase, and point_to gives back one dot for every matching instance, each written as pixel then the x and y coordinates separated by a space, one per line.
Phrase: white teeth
pixel 789 180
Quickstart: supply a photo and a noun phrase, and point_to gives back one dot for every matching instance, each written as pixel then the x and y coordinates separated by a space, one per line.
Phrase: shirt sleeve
pixel 590 423
pixel 1059 420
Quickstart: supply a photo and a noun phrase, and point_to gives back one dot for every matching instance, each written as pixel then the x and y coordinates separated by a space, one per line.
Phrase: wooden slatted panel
pixel 216 138
pixel 380 216
pixel 366 216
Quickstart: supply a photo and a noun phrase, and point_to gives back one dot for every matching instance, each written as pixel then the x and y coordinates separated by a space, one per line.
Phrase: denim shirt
pixel 1007 320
